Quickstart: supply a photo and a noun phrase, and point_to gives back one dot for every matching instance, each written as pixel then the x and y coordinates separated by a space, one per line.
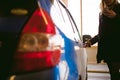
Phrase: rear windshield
pixel 17 7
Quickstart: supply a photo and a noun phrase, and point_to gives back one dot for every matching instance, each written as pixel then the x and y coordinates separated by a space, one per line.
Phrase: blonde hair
pixel 103 5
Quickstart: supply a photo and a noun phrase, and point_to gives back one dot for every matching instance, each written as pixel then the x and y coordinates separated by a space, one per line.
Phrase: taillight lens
pixel 40 22
pixel 34 42
pixel 38 48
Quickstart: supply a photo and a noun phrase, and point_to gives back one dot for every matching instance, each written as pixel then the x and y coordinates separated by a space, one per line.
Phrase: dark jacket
pixel 108 37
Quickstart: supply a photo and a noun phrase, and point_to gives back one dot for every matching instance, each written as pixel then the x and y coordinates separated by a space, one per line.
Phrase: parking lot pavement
pixel 98 76
pixel 98 72
pixel 99 68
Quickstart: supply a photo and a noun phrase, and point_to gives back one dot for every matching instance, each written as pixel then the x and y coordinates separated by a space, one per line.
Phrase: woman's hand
pixel 109 13
pixel 87 44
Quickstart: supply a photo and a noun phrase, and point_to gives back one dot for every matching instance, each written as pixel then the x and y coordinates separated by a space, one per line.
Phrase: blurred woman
pixel 108 37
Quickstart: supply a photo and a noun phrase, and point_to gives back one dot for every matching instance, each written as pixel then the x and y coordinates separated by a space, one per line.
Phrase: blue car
pixel 39 40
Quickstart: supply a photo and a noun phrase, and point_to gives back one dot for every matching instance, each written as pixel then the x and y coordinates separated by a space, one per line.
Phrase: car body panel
pixel 73 54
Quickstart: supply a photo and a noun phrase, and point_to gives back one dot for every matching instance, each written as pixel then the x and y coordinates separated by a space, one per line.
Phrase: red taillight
pixel 36 61
pixel 40 21
pixel 37 48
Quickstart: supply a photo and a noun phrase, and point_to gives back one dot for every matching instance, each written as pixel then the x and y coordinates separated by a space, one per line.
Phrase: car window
pixel 14 5
pixel 13 17
pixel 64 20
pixel 73 24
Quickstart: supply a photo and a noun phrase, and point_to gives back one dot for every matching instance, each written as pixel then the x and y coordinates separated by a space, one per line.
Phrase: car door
pixel 75 55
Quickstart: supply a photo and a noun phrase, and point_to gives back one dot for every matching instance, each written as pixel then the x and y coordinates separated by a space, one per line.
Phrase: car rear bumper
pixel 49 74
